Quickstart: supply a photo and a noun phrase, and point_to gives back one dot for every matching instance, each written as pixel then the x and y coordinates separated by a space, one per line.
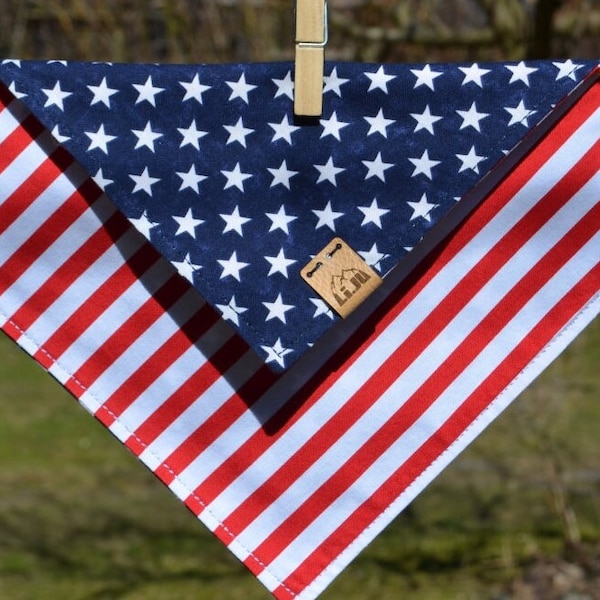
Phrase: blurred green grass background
pixel 516 516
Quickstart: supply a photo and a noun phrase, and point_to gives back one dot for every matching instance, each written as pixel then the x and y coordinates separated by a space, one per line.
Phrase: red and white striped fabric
pixel 297 478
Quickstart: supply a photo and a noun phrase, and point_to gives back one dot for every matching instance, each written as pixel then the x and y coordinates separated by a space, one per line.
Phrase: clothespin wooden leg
pixel 311 38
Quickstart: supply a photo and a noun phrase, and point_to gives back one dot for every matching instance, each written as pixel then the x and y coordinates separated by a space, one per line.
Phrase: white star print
pixel 567 69
pixel 100 139
pixel 232 311
pixel 191 135
pixel 147 92
pixel 280 220
pixel 285 86
pixel 101 180
pixel 472 117
pixel 282 175
pixel 519 114
pixel 276 353
pixel 425 77
pixel 234 221
pixel 187 223
pixel 332 127
pixel 143 224
pixel 376 168
pixel 279 264
pixel 186 268
pixel 520 72
pixel 373 257
pixel 61 139
pixel 473 74
pixel 379 80
pixel 194 89
pixel 379 124
pixel 240 89
pixel 277 309
pixel 144 182
pixel 425 120
pixel 470 161
pixel 321 308
pixel 102 93
pixel 328 172
pixel 56 96
pixel 283 130
pixel 373 213
pixel 333 83
pixel 190 179
pixel 236 178
pixel 422 208
pixel 232 267
pixel 327 217
pixel 13 89
pixel 423 165
pixel 238 133
pixel 146 137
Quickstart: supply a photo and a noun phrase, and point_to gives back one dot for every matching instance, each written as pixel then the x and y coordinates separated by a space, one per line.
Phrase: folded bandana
pixel 173 307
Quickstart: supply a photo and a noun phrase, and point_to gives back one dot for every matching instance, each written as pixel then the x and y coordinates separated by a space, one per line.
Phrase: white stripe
pixel 11 118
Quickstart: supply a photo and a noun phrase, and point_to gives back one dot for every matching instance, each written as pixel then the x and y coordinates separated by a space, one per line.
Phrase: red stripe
pixel 96 304
pixel 18 140
pixel 522 355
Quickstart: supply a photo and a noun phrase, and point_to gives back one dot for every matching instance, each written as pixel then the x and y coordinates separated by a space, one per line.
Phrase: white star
pixel 61 139
pixel 373 213
pixel 186 268
pixel 143 224
pixel 283 130
pixel 191 179
pixel 13 89
pixel 333 83
pixel 379 124
pixel 471 118
pixel 519 114
pixel 376 168
pixel 423 165
pixel 194 89
pixel 566 69
pixel 277 309
pixel 276 353
pixel 470 161
pixel 238 133
pixel 279 264
pixel 146 137
pixel 14 61
pixel 425 120
pixel 56 96
pixel 327 217
pixel 328 172
pixel 231 311
pixel 144 182
pixel 102 93
pixel 422 208
pixel 379 80
pixel 373 257
pixel 285 86
pixel 280 220
pixel 232 267
pixel 147 92
pixel 473 74
pixel 191 135
pixel 187 223
pixel 282 175
pixel 332 127
pixel 236 178
pixel 425 77
pixel 234 221
pixel 100 139
pixel 240 89
pixel 520 72
pixel 101 180
pixel 321 308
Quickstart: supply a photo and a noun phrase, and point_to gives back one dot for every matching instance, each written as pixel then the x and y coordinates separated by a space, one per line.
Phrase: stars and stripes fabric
pixel 296 471
pixel 236 194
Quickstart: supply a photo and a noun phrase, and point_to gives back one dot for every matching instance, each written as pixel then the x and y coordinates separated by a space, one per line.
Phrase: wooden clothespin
pixel 311 39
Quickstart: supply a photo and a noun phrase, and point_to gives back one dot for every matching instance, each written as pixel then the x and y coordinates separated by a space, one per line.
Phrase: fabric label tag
pixel 341 277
